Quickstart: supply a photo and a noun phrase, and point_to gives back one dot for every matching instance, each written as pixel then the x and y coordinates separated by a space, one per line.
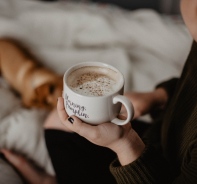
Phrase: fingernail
pixel 71 120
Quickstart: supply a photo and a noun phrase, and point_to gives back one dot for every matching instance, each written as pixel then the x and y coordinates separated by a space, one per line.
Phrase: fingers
pixel 22 166
pixel 61 110
pixel 65 120
pixel 12 158
pixel 72 123
pixel 122 116
pixel 90 132
pixel 29 172
pixel 53 122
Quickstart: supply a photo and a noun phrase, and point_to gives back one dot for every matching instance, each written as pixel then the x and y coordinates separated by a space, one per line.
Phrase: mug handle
pixel 129 107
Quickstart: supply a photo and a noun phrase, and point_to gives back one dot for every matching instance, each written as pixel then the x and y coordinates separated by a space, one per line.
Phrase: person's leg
pixel 76 160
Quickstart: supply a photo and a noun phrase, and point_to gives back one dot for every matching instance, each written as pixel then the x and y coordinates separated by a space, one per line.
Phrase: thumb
pixel 74 124
pixel 86 130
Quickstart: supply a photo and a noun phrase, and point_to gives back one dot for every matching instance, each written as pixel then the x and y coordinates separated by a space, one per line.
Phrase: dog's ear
pixel 45 96
pixel 48 93
pixel 42 90
pixel 46 90
pixel 41 95
pixel 37 98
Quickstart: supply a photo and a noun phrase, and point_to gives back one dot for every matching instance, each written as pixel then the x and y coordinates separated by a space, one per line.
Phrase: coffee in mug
pixel 93 91
pixel 94 81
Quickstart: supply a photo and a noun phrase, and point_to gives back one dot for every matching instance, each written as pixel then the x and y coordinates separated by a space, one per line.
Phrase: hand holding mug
pixel 145 102
pixel 121 139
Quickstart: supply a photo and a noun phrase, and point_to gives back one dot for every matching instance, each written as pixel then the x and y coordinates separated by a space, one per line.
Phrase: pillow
pixel 21 129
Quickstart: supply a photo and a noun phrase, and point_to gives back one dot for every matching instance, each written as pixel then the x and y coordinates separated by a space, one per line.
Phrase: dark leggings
pixel 76 160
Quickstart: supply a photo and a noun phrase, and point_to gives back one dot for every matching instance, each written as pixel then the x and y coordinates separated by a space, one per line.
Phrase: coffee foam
pixel 94 81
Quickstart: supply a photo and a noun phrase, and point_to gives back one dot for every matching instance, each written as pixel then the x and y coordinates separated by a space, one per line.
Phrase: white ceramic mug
pixel 95 107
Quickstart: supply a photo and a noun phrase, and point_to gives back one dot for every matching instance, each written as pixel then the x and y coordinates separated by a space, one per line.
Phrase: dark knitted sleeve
pixel 169 86
pixel 150 167
pixel 189 167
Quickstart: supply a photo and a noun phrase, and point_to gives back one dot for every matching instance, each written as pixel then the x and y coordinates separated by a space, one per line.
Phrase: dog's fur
pixel 37 85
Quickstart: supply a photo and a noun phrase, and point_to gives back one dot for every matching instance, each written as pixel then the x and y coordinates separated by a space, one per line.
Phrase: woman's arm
pixel 124 141
pixel 116 138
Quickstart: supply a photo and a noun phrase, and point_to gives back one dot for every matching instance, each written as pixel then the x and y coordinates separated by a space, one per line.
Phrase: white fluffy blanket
pixel 145 46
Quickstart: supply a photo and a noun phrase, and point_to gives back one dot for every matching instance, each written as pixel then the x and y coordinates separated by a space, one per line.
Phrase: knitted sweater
pixel 170 155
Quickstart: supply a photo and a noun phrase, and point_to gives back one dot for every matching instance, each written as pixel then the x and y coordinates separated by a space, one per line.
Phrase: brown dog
pixel 37 85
